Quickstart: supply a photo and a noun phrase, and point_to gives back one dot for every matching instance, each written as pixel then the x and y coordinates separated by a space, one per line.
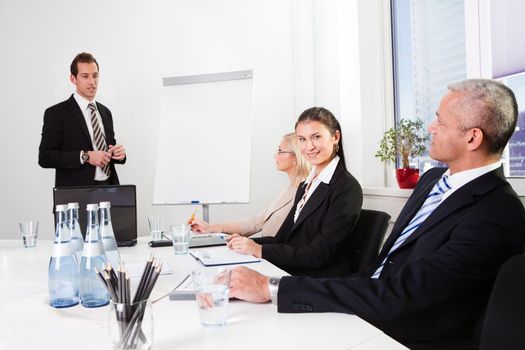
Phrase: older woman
pixel 288 159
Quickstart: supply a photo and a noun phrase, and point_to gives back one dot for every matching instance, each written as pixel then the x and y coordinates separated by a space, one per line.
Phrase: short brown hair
pixel 82 57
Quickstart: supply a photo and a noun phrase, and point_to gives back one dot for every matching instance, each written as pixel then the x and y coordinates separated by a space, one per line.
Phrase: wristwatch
pixel 84 156
pixel 273 286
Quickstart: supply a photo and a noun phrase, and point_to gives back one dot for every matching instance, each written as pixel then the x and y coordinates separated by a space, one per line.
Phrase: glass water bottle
pixel 108 237
pixel 93 293
pixel 77 241
pixel 63 274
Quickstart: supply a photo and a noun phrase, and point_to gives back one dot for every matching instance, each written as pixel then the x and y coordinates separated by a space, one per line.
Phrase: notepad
pixel 222 257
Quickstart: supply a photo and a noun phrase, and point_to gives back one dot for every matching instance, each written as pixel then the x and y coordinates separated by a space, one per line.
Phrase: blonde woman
pixel 288 159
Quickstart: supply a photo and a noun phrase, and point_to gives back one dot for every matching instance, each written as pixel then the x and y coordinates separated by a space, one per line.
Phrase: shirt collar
pixel 459 179
pixel 82 102
pixel 327 173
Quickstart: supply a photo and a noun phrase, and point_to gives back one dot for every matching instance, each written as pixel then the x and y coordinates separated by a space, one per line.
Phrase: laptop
pixel 123 210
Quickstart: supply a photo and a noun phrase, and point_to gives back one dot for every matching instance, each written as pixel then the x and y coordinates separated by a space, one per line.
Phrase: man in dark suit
pixel 77 137
pixel 432 279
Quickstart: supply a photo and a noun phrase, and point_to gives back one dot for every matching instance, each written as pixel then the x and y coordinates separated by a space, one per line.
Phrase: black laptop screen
pixel 123 207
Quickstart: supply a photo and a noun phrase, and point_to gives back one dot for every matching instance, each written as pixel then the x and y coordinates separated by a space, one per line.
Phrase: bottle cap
pixel 73 205
pixel 105 204
pixel 61 207
pixel 92 206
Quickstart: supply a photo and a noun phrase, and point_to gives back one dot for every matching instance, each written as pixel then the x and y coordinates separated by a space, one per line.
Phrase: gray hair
pixel 490 106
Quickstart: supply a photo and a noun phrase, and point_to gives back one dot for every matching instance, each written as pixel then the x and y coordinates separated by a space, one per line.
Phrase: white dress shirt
pixel 325 176
pixel 83 104
pixel 463 177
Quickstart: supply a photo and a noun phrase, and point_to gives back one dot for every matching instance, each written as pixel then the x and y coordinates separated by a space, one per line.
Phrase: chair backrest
pixel 504 326
pixel 367 236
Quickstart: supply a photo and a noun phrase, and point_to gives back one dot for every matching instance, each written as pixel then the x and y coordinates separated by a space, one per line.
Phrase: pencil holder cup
pixel 131 325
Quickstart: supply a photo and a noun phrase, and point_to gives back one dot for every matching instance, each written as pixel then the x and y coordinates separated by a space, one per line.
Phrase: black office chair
pixel 366 238
pixel 505 317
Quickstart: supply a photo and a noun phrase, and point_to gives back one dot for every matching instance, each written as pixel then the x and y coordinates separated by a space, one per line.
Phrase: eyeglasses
pixel 280 151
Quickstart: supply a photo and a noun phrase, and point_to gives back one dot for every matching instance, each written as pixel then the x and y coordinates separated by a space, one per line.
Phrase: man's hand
pixel 99 158
pixel 117 152
pixel 249 285
pixel 244 245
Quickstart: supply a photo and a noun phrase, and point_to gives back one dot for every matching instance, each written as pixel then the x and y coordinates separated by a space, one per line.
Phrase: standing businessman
pixel 432 279
pixel 78 139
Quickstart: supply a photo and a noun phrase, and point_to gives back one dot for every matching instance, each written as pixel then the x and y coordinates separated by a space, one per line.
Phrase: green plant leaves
pixel 407 140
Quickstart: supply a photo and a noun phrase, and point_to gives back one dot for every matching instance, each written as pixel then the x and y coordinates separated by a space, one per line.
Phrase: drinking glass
pixel 212 287
pixel 29 232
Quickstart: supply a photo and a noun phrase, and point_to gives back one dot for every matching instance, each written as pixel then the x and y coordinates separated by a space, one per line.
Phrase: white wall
pixel 137 43
pixel 333 53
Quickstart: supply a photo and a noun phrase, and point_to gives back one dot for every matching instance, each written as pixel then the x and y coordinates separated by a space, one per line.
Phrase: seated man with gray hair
pixel 432 280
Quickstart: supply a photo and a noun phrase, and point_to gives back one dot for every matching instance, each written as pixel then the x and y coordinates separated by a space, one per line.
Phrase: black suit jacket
pixel 435 287
pixel 64 135
pixel 317 244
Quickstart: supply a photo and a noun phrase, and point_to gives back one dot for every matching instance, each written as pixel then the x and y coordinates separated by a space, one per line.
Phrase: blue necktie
pixel 432 202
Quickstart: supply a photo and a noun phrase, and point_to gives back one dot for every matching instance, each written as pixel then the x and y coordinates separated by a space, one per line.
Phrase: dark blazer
pixel 435 287
pixel 64 135
pixel 317 244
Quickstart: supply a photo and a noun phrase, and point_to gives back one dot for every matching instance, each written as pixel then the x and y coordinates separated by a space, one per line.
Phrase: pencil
pixel 192 217
pixel 113 276
pixel 144 279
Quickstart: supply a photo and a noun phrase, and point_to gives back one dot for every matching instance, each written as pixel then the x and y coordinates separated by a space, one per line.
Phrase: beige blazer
pixel 270 219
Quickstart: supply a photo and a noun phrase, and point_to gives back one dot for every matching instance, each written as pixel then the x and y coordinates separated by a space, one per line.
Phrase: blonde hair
pixel 302 167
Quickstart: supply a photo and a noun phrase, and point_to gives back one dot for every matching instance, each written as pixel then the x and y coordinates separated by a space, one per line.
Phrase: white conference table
pixel 28 322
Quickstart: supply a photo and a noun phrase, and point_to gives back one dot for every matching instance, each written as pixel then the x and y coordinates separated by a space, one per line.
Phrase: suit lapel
pixel 410 209
pixel 79 117
pixel 456 201
pixel 105 121
pixel 312 204
pixel 317 197
pixel 464 196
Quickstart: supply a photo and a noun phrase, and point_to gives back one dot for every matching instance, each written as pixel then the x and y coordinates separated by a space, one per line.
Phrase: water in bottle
pixel 93 293
pixel 77 241
pixel 63 274
pixel 108 237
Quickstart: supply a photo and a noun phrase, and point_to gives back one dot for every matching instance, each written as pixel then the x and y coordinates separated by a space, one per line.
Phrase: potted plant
pixel 407 140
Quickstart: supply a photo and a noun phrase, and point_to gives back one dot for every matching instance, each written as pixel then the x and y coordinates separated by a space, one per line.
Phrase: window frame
pixel 477 40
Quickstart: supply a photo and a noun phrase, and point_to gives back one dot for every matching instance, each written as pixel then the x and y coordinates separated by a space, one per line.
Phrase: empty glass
pixel 155 228
pixel 29 232
pixel 181 235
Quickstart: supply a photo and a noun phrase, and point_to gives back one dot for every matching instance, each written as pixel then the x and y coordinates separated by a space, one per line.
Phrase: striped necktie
pixel 432 202
pixel 98 135
pixel 302 202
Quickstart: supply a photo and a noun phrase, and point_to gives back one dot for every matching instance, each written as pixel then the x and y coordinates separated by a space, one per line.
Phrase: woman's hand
pixel 200 226
pixel 244 245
